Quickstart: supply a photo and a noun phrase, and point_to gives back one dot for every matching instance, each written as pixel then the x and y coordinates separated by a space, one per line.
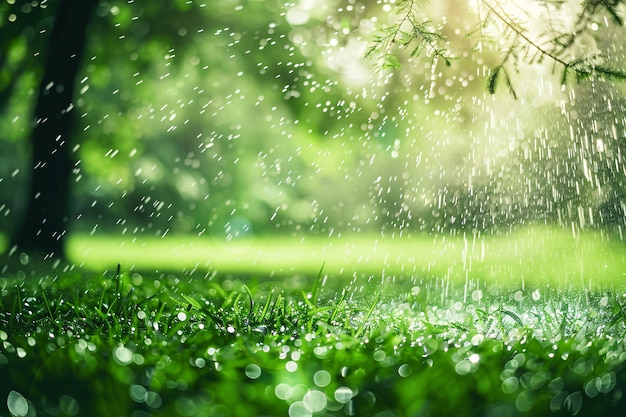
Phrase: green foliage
pixel 192 123
pixel 515 41
pixel 408 33
pixel 493 80
pixel 612 7
pixel 231 123
pixel 596 71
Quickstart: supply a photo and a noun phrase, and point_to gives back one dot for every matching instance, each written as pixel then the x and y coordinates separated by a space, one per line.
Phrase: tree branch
pixel 504 18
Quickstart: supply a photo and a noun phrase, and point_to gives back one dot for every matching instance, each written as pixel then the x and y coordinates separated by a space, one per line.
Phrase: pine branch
pixel 504 18
pixel 556 44
pixel 492 80
pixel 418 38
pixel 610 6
pixel 583 67
pixel 599 71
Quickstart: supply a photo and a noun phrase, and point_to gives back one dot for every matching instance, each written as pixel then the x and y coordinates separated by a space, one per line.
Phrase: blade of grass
pixel 117 280
pixel 513 316
pixel 339 303
pixel 237 315
pixel 18 306
pixel 266 306
pixel 159 313
pixel 314 294
pixel 247 290
pixel 367 316
pixel 230 299
pixel 45 299
pixel 101 303
pixel 146 299
pixel 192 301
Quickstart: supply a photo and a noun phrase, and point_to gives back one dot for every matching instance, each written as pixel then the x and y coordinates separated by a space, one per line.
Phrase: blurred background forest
pixel 234 118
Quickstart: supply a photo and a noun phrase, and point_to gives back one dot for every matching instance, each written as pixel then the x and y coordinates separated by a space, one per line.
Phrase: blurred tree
pixel 179 80
pixel 48 40
pixel 43 227
pixel 131 43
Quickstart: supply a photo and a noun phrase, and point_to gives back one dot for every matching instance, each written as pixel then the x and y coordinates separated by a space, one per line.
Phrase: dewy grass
pixel 131 344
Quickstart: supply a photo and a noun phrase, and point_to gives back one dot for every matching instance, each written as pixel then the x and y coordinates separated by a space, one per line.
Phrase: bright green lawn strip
pixel 535 256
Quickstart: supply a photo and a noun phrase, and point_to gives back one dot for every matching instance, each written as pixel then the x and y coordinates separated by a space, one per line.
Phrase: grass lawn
pixel 535 255
pixel 531 324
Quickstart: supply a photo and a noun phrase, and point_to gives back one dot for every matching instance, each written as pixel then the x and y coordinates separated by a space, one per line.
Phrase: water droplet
pixel 153 400
pixel 69 405
pixel 607 382
pixel 463 367
pixel 404 370
pixel 510 385
pixel 314 401
pixel 574 402
pixel 525 400
pixel 282 391
pixel 298 409
pixel 185 406
pixel 592 387
pixel 137 393
pixel 253 371
pixel 291 366
pixel 17 404
pixel 322 378
pixel 604 301
pixel 122 355
pixel 343 394
pixel 430 346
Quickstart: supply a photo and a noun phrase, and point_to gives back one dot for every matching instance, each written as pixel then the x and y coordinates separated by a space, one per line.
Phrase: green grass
pixel 534 255
pixel 530 324
pixel 151 344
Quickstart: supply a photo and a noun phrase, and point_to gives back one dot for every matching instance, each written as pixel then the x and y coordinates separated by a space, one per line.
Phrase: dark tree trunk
pixel 43 227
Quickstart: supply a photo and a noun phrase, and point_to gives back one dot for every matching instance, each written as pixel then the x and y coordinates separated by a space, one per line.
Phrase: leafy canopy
pixel 576 37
